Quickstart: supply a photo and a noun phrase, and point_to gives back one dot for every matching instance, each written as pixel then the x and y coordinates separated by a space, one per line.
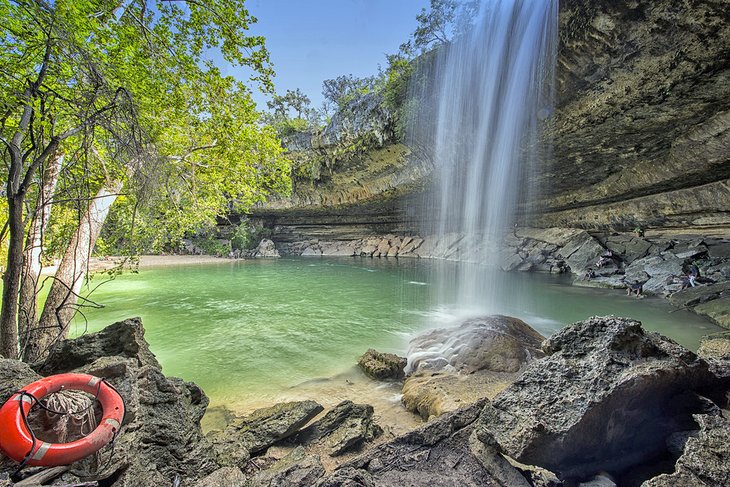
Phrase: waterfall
pixel 489 92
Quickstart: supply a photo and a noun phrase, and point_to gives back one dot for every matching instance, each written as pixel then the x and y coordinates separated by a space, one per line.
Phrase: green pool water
pixel 249 331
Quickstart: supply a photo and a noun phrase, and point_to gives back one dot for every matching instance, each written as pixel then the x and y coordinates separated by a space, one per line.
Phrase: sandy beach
pixel 97 264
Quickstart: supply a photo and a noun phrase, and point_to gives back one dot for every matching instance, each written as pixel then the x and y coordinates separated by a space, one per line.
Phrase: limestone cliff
pixel 641 133
pixel 642 128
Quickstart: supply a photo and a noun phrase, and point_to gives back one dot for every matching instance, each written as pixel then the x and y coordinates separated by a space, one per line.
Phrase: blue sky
pixel 313 40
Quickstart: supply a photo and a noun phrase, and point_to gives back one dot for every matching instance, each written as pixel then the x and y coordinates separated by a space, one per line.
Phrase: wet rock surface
pixel 496 343
pixel 455 366
pixel 382 366
pixel 606 398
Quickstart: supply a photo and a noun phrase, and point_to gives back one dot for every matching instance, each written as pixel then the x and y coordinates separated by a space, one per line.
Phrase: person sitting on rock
pixel 636 288
pixel 590 274
pixel 688 281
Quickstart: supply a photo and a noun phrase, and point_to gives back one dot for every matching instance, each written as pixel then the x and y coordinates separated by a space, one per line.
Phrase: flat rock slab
pixel 433 394
pixel 345 428
pixel 265 427
pixel 693 296
pixel 717 310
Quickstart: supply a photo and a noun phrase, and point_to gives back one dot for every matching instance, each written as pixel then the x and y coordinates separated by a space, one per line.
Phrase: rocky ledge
pixel 601 400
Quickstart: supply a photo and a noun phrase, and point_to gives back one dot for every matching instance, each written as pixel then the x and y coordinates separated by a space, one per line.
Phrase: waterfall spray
pixel 490 94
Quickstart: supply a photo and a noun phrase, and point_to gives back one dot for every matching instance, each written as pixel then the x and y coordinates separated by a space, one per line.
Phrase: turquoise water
pixel 249 331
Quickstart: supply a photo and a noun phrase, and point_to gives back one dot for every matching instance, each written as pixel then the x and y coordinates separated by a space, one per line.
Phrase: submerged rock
pixel 606 398
pixel 382 366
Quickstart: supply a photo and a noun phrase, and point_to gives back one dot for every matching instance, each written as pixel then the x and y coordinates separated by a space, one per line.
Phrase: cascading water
pixel 490 92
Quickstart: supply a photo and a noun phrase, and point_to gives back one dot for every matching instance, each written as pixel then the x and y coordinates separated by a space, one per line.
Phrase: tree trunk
pixel 11 278
pixel 28 306
pixel 61 303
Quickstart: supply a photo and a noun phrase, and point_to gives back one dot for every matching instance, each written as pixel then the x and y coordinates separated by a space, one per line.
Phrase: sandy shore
pixel 145 261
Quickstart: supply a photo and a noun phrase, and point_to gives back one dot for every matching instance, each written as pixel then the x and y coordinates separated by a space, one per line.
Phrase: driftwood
pixel 42 476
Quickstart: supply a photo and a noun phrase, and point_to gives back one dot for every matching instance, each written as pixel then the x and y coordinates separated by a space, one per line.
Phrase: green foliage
pixel 438 25
pixel 343 89
pixel 212 246
pixel 132 80
pixel 292 126
pixel 247 236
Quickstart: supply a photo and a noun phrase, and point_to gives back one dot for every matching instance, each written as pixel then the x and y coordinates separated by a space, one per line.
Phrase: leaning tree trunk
pixel 28 306
pixel 61 303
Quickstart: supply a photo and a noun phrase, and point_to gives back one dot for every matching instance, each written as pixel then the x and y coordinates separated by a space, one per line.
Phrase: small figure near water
pixel 636 288
pixel 590 274
pixel 605 258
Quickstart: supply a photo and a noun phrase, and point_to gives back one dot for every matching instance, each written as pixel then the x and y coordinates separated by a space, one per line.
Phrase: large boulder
pixel 496 343
pixel 581 251
pixel 266 249
pixel 456 366
pixel 123 339
pixel 606 398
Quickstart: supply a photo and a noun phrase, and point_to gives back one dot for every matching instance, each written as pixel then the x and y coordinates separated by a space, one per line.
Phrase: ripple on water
pixel 253 333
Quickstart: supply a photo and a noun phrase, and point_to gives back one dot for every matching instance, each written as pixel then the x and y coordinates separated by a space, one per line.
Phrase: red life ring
pixel 17 442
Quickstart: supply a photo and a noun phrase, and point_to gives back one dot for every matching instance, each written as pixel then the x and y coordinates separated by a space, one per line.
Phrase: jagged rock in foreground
pixel 607 397
pixel 705 459
pixel 160 439
pixel 260 430
pixel 382 366
pixel 121 339
pixel 436 454
pixel 458 365
pixel 345 428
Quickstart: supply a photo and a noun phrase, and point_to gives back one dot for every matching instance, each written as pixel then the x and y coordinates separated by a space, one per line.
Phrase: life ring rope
pixel 35 453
